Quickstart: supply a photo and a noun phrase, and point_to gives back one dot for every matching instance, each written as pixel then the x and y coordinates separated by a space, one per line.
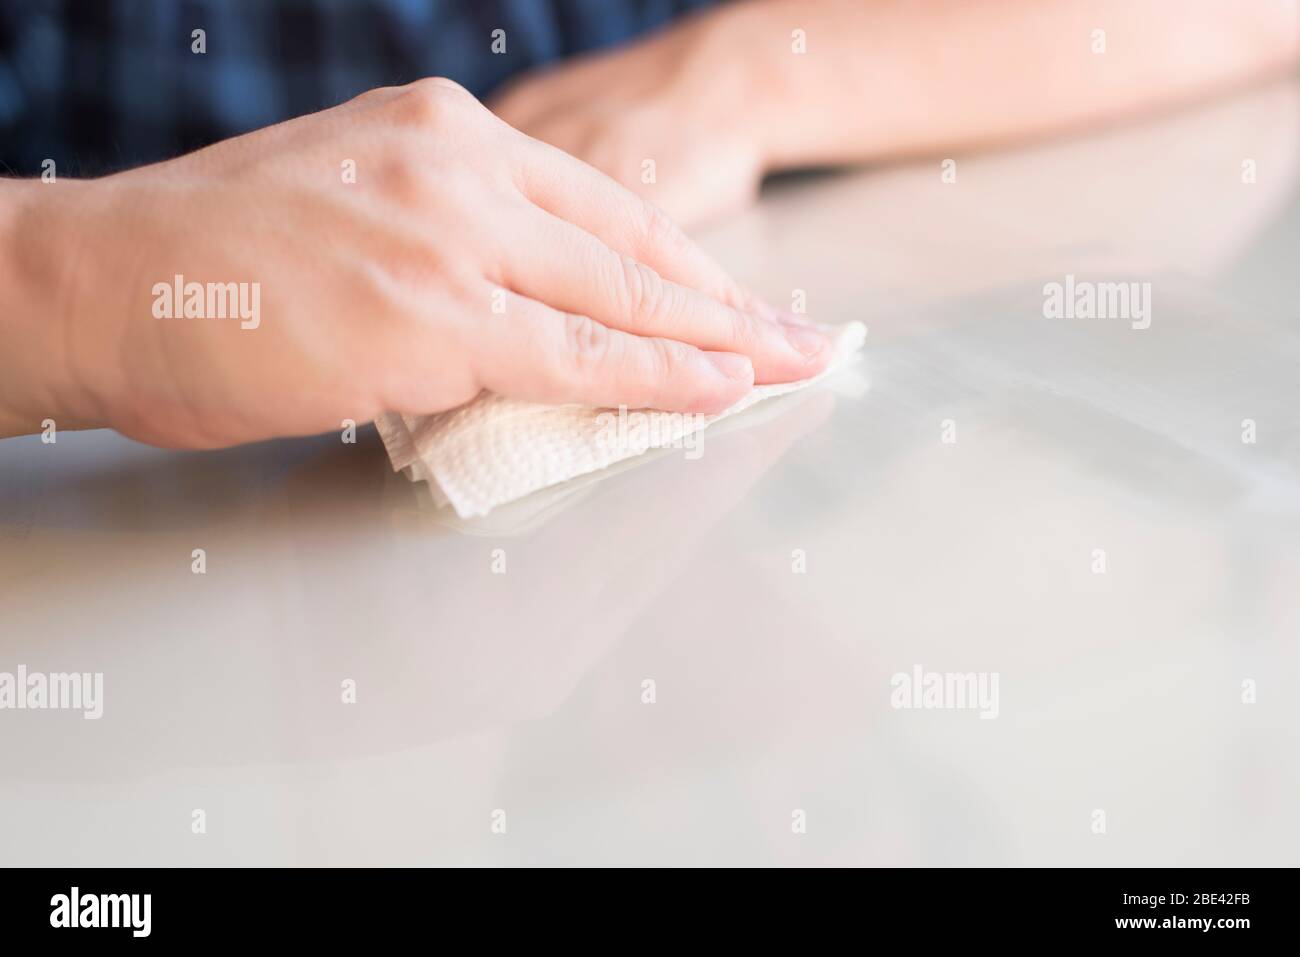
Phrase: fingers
pixel 573 191
pixel 573 271
pixel 540 354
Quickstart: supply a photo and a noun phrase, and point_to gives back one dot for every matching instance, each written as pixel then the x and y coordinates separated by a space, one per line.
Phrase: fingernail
pixel 733 367
pixel 809 341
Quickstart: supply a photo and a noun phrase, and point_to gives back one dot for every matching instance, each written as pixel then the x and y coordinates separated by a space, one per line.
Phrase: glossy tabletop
pixel 706 660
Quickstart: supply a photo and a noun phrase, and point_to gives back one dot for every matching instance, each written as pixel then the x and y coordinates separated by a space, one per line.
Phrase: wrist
pixel 803 91
pixel 723 81
pixel 754 44
pixel 37 260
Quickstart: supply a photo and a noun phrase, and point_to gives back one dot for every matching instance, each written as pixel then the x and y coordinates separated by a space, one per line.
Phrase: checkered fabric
pixel 99 85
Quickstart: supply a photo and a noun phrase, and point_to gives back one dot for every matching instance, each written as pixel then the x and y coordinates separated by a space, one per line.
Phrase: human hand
pixel 673 118
pixel 465 256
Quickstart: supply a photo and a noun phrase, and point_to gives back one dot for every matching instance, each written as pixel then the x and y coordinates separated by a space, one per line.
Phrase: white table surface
pixel 522 691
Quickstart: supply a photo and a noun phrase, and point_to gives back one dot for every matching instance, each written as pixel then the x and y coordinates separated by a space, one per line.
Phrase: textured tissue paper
pixel 495 450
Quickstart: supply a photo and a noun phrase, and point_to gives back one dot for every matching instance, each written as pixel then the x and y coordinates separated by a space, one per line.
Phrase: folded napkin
pixel 494 450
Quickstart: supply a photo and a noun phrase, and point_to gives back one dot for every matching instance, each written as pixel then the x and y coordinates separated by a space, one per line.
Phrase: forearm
pixel 34 269
pixel 884 78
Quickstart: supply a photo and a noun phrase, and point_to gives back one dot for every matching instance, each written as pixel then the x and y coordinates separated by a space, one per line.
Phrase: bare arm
pixel 913 76
pixel 721 99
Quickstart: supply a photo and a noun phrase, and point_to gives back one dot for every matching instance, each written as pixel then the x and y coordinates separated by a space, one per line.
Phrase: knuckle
pixel 404 178
pixel 430 102
pixel 375 96
pixel 642 289
pixel 743 333
pixel 661 232
pixel 737 296
pixel 588 344
pixel 445 84
pixel 663 360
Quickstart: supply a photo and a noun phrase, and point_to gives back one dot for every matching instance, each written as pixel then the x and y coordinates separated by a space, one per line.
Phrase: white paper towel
pixel 494 450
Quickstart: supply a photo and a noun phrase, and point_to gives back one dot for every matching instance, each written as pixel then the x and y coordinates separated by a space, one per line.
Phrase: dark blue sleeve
pixel 99 85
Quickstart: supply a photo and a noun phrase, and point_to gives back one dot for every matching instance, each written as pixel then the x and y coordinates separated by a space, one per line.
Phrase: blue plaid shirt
pixel 99 85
